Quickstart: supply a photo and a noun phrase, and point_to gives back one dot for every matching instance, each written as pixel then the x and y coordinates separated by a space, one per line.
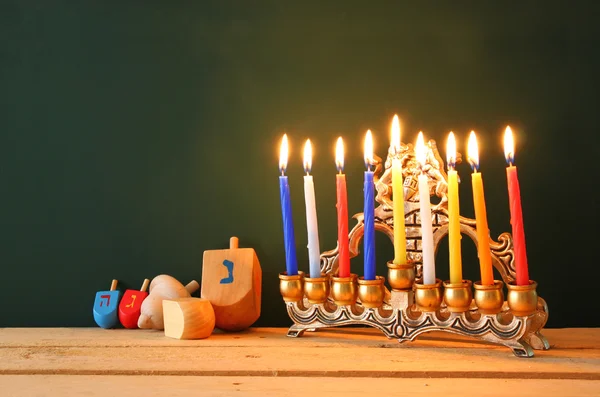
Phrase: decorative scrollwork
pixel 397 317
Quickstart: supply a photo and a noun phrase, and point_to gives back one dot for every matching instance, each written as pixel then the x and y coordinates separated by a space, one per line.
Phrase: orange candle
pixel 483 232
pixel 516 213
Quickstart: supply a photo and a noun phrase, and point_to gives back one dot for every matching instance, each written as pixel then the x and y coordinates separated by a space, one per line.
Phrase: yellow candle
pixel 483 232
pixel 453 213
pixel 398 195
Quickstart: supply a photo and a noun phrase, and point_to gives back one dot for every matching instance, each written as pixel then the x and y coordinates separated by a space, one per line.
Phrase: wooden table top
pixel 264 362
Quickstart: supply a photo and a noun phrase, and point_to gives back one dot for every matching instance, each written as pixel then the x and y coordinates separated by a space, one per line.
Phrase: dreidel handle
pixel 145 285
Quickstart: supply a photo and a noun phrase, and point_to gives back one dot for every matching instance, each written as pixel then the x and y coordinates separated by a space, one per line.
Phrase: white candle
pixel 314 254
pixel 425 212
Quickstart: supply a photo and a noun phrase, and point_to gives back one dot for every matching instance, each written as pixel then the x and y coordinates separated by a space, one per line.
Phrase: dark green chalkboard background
pixel 136 135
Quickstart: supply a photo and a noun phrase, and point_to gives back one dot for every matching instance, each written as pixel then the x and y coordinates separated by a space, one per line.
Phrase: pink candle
pixel 516 213
pixel 342 212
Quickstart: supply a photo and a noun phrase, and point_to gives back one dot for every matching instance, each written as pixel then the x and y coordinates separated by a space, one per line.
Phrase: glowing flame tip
pixel 307 156
pixel 339 154
pixel 473 151
pixel 509 145
pixel 451 150
pixel 395 143
pixel 283 153
pixel 368 149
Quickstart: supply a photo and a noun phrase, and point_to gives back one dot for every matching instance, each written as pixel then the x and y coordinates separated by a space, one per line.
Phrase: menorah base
pixel 398 318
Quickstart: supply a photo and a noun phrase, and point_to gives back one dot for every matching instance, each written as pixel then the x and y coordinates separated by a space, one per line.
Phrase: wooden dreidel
pixel 162 287
pixel 231 281
pixel 188 318
pixel 129 308
pixel 105 306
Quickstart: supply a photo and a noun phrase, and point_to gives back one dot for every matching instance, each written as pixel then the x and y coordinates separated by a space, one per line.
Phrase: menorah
pixel 411 308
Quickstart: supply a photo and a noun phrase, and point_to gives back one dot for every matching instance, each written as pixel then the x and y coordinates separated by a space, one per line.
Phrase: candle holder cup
pixel 343 290
pixel 316 289
pixel 401 276
pixel 291 287
pixel 489 298
pixel 428 297
pixel 458 297
pixel 411 308
pixel 371 292
pixel 522 299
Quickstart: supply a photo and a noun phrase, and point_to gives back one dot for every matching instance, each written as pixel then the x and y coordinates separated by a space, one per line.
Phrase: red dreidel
pixel 129 308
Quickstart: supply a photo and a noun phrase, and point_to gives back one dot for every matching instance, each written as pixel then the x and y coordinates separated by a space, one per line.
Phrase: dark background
pixel 136 135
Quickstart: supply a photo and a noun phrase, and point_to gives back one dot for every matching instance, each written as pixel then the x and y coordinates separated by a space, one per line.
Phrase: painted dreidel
pixel 231 281
pixel 131 303
pixel 162 287
pixel 105 306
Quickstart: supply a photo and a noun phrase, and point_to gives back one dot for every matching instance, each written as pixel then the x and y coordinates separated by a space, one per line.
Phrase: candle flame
pixel 509 146
pixel 307 156
pixel 283 154
pixel 420 151
pixel 451 150
pixel 369 150
pixel 473 151
pixel 339 154
pixel 395 144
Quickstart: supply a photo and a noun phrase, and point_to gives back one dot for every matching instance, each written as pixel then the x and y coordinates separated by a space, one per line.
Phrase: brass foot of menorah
pixel 411 308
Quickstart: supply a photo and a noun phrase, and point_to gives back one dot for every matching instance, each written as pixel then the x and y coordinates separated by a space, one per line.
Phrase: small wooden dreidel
pixel 162 287
pixel 188 318
pixel 129 308
pixel 231 281
pixel 105 306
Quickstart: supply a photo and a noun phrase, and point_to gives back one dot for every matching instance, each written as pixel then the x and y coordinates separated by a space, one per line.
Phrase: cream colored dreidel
pixel 231 281
pixel 162 287
pixel 188 318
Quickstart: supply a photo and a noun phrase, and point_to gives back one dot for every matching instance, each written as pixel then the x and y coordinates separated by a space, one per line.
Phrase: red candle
pixel 516 213
pixel 342 212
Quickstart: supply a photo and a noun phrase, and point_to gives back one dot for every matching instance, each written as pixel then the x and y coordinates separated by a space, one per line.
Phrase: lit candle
pixel 291 262
pixel 314 254
pixel 342 212
pixel 516 213
pixel 369 211
pixel 398 196
pixel 483 233
pixel 425 212
pixel 453 213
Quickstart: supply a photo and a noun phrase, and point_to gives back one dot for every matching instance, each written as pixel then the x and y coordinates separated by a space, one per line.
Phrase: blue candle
pixel 369 212
pixel 291 262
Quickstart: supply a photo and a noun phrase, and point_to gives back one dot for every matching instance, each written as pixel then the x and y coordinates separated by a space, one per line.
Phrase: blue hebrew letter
pixel 229 278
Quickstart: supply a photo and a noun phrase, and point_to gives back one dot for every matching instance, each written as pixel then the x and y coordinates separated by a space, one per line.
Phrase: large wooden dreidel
pixel 162 287
pixel 231 281
pixel 188 318
pixel 129 308
pixel 105 306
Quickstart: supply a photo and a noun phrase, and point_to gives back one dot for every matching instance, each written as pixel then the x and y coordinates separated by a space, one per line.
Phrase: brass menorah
pixel 410 308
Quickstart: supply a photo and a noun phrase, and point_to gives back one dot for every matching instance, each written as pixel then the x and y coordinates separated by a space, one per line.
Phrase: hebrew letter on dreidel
pixel 107 297
pixel 236 297
pixel 229 278
pixel 132 301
